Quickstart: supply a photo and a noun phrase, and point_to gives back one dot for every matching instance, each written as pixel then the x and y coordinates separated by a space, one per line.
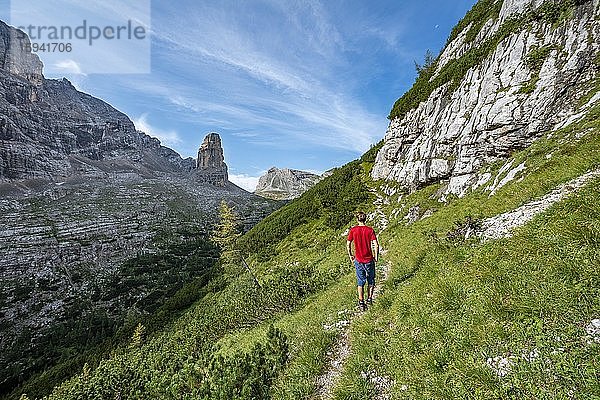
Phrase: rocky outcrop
pixel 532 80
pixel 502 225
pixel 210 165
pixel 285 184
pixel 15 58
pixel 50 130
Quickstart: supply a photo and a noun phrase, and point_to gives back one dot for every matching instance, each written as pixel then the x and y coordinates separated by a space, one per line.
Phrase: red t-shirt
pixel 362 236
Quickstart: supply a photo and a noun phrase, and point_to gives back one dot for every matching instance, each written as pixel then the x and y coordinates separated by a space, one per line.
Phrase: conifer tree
pixel 226 235
pixel 138 336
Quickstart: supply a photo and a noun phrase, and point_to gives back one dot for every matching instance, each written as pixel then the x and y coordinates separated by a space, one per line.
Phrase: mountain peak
pixel 285 183
pixel 210 165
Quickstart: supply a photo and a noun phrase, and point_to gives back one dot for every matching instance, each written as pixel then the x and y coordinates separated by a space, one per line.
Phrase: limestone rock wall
pixel 452 134
pixel 15 58
pixel 63 248
pixel 210 165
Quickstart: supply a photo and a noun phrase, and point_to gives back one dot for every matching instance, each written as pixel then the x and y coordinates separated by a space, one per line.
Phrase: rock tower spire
pixel 210 165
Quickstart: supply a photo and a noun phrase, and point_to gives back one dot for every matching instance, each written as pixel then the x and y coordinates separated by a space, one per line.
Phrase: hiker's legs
pixel 370 268
pixel 361 279
pixel 361 293
pixel 370 291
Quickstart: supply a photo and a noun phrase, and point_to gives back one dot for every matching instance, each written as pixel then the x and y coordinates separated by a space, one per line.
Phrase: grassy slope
pixel 469 302
pixel 448 307
pixel 445 309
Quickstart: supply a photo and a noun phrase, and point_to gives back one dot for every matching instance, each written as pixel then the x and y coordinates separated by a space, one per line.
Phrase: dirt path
pixel 341 350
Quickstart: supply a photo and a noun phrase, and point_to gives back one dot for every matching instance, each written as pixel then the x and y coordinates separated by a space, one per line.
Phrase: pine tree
pixel 138 336
pixel 427 64
pixel 226 235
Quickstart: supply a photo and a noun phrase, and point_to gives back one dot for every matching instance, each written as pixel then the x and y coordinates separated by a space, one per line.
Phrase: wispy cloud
pixel 306 83
pixel 291 82
pixel 299 83
pixel 168 138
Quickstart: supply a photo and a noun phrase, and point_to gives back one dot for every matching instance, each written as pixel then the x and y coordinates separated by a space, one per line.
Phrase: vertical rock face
pixel 49 130
pixel 15 56
pixel 210 166
pixel 531 80
pixel 210 154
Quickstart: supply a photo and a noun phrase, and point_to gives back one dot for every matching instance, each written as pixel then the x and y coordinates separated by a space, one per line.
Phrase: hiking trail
pixel 341 350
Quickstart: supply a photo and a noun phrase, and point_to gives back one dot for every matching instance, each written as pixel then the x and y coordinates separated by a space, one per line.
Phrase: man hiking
pixel 366 252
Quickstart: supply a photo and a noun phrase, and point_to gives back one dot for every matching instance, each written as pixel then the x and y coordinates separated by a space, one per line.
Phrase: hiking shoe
pixel 370 301
pixel 362 306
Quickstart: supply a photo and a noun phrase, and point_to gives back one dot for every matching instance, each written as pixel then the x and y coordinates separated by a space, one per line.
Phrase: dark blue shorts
pixel 365 272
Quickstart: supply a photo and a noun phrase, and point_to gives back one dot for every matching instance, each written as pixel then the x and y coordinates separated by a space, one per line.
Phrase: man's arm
pixel 349 249
pixel 375 249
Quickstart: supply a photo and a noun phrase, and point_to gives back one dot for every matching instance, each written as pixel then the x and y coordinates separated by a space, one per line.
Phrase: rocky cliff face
pixel 16 61
pixel 50 130
pixel 210 165
pixel 537 60
pixel 285 184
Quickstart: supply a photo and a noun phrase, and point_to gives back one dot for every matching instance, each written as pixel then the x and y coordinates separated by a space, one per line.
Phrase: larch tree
pixel 226 235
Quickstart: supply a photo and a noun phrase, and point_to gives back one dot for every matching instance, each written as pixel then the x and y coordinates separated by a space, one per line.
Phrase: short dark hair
pixel 361 217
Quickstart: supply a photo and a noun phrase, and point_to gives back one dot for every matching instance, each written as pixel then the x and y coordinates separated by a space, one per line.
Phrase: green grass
pixel 448 307
pixel 434 332
pixel 481 12
pixel 188 345
pixel 309 338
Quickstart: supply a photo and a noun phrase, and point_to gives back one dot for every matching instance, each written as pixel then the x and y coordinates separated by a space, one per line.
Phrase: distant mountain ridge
pixel 48 129
pixel 285 183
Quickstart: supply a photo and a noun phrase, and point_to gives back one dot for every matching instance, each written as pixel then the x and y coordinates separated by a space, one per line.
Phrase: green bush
pixel 481 12
pixel 249 375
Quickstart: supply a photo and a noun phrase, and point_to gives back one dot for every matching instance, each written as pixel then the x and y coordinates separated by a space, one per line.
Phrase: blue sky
pixel 297 84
